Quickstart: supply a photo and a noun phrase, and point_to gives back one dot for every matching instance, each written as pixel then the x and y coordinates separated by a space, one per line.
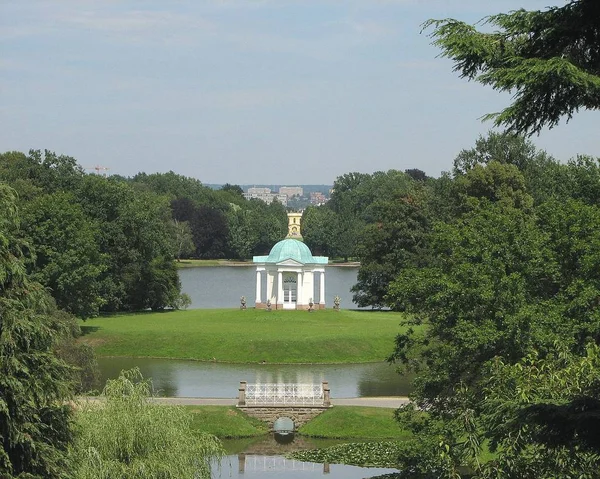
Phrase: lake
pixel 181 378
pixel 223 286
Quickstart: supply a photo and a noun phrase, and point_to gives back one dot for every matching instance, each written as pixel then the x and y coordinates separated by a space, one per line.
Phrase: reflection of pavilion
pixel 247 463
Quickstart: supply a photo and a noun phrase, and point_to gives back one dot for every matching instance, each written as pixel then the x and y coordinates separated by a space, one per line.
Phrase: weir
pixel 271 401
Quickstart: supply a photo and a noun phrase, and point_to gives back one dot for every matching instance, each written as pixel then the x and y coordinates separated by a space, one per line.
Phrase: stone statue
pixel 243 302
pixel 336 303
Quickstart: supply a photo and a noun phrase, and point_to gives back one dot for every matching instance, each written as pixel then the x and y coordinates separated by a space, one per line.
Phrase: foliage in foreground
pixel 547 59
pixel 34 382
pixel 129 436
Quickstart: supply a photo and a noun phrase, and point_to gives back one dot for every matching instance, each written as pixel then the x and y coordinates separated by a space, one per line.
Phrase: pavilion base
pixel 299 307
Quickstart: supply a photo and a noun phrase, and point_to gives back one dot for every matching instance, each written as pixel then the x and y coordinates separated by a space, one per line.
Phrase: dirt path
pixel 389 402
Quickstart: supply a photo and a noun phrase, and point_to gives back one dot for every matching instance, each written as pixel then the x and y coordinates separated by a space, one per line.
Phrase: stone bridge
pixel 271 401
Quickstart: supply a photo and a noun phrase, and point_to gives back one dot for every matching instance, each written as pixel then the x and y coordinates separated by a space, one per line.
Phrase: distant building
pixel 317 198
pixel 264 194
pixel 291 191
pixel 259 191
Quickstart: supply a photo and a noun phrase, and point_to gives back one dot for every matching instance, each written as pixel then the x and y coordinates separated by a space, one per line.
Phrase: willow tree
pixel 34 419
pixel 131 436
pixel 549 60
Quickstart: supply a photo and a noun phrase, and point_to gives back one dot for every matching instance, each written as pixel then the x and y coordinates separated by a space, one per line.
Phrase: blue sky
pixel 248 91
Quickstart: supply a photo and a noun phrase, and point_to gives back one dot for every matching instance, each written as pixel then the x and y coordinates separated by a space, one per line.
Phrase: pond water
pixel 222 287
pixel 180 378
pixel 269 466
pixel 264 457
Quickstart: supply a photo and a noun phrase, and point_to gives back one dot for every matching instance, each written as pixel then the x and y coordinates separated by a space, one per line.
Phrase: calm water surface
pixel 258 466
pixel 265 458
pixel 222 287
pixel 180 378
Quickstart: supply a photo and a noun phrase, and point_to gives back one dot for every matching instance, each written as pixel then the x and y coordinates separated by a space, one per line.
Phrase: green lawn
pixel 226 422
pixel 233 335
pixel 339 422
pixel 352 422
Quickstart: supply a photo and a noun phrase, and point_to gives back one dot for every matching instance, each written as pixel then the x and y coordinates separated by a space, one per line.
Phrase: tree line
pixel 105 244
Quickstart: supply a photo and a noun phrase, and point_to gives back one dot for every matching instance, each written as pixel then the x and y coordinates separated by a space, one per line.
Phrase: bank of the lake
pixel 248 336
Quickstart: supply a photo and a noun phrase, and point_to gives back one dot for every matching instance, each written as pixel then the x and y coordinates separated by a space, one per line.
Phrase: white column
pixel 270 280
pixel 300 286
pixel 279 287
pixel 258 287
pixel 322 289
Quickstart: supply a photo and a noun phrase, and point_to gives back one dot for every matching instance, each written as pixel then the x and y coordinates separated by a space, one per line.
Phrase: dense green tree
pixel 397 240
pixel 503 284
pixel 416 174
pixel 489 277
pixel 548 59
pixel 173 186
pixel 183 239
pixel 67 260
pixel 319 224
pixel 545 178
pixel 243 235
pixel 34 383
pixel 48 172
pixel 136 235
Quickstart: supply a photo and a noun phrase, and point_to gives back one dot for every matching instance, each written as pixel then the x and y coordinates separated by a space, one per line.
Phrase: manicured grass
pixel 226 422
pixel 352 422
pixel 233 335
pixel 339 422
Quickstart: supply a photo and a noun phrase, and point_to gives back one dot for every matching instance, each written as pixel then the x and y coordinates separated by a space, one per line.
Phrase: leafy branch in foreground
pixel 549 59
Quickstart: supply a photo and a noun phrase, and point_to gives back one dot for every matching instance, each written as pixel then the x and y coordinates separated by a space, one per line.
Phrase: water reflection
pixel 264 457
pixel 179 378
pixel 264 466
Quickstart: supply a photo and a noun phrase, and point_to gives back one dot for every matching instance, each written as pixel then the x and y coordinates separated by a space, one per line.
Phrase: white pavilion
pixel 291 269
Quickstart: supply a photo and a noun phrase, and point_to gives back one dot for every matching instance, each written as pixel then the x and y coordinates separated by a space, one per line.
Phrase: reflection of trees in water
pixel 378 381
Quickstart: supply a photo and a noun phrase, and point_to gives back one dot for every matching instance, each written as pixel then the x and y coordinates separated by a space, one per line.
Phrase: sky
pixel 249 91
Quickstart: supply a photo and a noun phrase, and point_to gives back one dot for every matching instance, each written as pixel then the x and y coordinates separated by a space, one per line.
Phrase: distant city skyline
pixel 249 91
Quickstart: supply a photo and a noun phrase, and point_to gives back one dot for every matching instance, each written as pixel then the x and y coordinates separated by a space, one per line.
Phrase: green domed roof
pixel 290 249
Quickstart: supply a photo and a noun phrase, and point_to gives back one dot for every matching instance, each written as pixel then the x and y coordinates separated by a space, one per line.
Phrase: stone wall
pixel 269 414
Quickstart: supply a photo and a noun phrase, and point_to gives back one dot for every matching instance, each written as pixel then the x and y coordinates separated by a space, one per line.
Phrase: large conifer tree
pixel 34 419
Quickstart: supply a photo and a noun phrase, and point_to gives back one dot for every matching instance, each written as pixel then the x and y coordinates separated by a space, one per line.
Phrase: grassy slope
pixel 226 422
pixel 355 423
pixel 232 335
pixel 339 422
